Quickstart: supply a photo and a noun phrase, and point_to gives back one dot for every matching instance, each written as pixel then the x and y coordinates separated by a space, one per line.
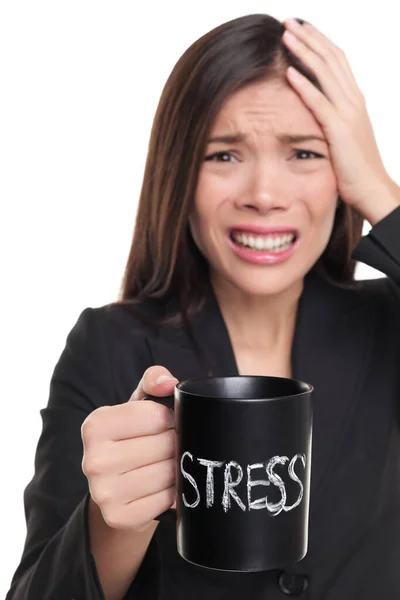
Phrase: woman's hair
pixel 164 261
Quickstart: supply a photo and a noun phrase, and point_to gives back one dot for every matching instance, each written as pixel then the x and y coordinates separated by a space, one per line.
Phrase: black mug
pixel 243 468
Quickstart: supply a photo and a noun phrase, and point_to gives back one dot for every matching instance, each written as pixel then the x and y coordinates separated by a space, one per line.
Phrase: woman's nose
pixel 265 191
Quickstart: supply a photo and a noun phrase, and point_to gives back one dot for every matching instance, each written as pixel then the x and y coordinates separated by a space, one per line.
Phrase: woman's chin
pixel 268 285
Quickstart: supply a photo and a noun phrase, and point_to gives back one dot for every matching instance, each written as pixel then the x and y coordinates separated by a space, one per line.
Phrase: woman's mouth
pixel 263 248
pixel 275 243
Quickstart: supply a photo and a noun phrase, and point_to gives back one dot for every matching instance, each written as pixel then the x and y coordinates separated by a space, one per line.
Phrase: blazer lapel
pixel 174 349
pixel 331 347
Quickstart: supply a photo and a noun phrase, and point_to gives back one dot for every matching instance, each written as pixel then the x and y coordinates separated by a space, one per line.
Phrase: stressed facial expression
pixel 266 195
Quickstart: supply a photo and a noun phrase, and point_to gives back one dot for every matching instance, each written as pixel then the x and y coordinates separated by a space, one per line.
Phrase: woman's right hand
pixel 129 452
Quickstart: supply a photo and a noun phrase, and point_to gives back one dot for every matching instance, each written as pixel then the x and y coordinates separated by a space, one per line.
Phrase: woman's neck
pixel 264 323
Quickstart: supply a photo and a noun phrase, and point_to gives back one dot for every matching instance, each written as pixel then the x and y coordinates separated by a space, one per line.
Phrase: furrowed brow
pixel 287 138
pixel 234 138
pixel 284 138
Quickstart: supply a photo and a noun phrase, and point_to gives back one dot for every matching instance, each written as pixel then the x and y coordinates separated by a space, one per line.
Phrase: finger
pixel 330 77
pixel 140 512
pixel 322 109
pixel 315 34
pixel 155 504
pixel 133 485
pixel 156 380
pixel 124 421
pixel 129 454
pixel 148 480
pixel 313 37
pixel 330 55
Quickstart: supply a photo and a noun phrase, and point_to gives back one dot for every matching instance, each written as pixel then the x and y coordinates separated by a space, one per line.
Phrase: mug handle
pixel 170 514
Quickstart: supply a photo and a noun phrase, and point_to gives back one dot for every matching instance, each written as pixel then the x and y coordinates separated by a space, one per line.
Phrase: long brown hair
pixel 164 261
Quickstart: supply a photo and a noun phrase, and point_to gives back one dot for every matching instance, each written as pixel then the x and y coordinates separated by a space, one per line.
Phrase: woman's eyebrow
pixel 284 138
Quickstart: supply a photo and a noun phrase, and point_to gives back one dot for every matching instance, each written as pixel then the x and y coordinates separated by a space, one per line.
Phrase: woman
pixel 238 266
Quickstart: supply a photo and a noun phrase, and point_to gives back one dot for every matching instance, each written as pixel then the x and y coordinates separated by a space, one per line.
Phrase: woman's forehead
pixel 268 107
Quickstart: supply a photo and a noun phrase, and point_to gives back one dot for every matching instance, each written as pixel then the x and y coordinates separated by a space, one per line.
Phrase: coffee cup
pixel 243 469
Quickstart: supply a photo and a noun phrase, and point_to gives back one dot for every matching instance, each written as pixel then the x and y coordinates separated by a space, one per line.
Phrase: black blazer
pixel 346 344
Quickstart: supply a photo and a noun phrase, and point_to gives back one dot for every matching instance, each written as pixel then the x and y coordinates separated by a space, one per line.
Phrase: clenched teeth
pixel 264 242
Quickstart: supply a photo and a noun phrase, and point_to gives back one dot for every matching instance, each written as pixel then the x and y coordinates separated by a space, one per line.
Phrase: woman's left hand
pixel 362 179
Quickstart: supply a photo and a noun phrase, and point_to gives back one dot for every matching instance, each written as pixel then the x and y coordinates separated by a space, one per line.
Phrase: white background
pixel 80 82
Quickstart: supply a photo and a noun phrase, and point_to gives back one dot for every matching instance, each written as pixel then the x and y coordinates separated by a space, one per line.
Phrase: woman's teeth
pixel 271 243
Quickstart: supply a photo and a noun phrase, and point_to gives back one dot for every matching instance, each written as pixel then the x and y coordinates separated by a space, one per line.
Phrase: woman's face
pixel 253 195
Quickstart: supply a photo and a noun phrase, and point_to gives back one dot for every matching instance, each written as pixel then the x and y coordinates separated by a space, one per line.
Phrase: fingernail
pixel 162 378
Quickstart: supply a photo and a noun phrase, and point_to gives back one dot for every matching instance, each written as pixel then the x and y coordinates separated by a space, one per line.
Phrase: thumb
pixel 157 381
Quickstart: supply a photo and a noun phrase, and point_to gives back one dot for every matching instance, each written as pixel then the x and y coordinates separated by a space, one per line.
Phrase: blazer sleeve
pixel 56 562
pixel 381 247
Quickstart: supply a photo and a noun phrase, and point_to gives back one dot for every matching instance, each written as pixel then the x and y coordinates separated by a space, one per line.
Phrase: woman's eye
pixel 211 157
pixel 300 152
pixel 218 156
